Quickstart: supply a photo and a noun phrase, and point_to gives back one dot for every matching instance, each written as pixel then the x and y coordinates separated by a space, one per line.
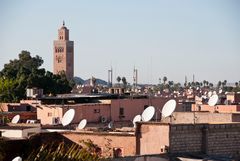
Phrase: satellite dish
pixel 168 108
pixel 68 117
pixel 17 159
pixel 209 94
pixel 110 125
pixel 214 92
pixel 213 100
pixel 137 118
pixel 82 124
pixel 148 113
pixel 220 91
pixel 15 119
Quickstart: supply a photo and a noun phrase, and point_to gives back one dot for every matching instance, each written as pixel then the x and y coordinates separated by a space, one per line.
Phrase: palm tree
pixel 197 84
pixel 207 83
pixel 204 82
pixel 236 84
pixel 170 83
pixel 211 85
pixel 219 84
pixel 164 79
pixel 124 80
pixel 118 79
pixel 224 83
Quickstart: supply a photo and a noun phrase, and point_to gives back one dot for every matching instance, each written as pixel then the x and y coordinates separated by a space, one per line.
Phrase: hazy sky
pixel 170 38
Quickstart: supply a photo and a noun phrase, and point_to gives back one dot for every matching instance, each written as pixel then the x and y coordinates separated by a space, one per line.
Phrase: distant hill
pixel 79 80
pixel 98 81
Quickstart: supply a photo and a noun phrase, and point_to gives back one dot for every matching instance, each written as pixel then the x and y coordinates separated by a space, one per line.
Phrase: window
pixel 49 114
pixel 117 152
pixel 121 111
pixel 28 108
pixel 96 110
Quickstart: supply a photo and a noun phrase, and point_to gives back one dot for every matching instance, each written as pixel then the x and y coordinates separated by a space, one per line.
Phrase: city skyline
pixel 160 38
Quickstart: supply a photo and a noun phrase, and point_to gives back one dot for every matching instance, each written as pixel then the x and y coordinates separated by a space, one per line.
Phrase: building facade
pixel 63 52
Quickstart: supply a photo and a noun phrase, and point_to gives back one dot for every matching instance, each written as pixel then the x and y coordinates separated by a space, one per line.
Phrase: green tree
pixel 219 84
pixel 224 83
pixel 170 83
pixel 164 79
pixel 24 72
pixel 204 83
pixel 236 84
pixel 87 151
pixel 118 79
pixel 124 80
pixel 211 85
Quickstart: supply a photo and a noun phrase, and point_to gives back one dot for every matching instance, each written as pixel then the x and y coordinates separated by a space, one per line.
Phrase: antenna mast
pixel 110 77
pixel 135 78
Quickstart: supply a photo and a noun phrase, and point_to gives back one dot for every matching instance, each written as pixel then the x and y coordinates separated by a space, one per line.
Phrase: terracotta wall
pixel 107 141
pixel 92 112
pixel 133 107
pixel 152 138
pixel 202 117
pixel 217 108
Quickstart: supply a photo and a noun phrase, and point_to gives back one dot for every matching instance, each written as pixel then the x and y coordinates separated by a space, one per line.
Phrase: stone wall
pixel 212 139
pixel 223 139
pixel 185 138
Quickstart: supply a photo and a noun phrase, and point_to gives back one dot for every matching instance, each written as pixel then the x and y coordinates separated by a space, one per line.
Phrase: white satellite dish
pixel 82 124
pixel 209 93
pixel 68 117
pixel 168 108
pixel 213 100
pixel 17 159
pixel 148 113
pixel 15 119
pixel 214 92
pixel 220 91
pixel 137 118
pixel 110 125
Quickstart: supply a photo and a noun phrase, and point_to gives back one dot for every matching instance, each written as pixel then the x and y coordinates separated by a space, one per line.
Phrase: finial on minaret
pixel 63 23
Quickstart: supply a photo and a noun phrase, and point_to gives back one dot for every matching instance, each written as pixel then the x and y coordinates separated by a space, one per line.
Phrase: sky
pixel 172 38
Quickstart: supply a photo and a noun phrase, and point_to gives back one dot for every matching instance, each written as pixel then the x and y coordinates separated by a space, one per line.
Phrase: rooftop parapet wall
pixel 212 139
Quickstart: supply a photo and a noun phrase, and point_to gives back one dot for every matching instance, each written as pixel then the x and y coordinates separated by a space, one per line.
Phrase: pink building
pixel 104 110
pixel 217 108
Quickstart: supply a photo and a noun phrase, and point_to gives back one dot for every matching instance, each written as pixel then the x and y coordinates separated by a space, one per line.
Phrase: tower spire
pixel 63 23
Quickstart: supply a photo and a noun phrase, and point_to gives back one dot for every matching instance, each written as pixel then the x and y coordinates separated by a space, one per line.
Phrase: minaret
pixel 63 53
